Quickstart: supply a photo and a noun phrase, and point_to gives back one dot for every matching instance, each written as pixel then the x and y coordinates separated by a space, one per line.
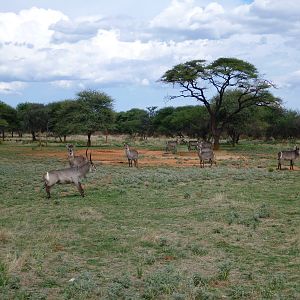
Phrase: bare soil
pixel 147 157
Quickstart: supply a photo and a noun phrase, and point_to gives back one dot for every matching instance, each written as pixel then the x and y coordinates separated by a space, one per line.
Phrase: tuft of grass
pixel 82 287
pixel 197 249
pixel 200 280
pixel 224 270
pixel 119 288
pixel 240 292
pixel 4 278
pixel 161 282
pixel 264 211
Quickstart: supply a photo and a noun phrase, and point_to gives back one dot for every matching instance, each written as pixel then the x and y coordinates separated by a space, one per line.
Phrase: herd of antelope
pixel 81 165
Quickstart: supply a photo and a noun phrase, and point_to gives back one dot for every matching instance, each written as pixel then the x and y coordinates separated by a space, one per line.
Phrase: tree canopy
pixel 200 80
pixel 95 112
pixel 33 116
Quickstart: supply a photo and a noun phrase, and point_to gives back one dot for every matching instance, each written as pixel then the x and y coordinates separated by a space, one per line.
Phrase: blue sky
pixel 52 49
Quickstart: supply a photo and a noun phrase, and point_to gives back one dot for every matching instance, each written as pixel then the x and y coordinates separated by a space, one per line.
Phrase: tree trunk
pixel 40 139
pixel 65 138
pixel 60 139
pixel 216 137
pixel 89 139
pixel 12 133
pixel 106 136
pixel 3 134
pixel 216 132
pixel 33 136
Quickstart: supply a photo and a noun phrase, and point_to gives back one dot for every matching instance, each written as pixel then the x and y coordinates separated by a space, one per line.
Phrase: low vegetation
pixel 226 232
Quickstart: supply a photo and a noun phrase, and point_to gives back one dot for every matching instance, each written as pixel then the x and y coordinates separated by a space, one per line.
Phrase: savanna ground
pixel 168 230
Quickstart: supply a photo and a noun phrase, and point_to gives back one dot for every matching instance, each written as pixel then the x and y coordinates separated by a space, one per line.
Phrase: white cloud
pixel 11 87
pixel 29 26
pixel 63 83
pixel 185 15
pixel 46 45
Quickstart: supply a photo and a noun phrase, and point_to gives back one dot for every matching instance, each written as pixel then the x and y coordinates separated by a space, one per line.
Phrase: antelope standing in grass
pixel 290 155
pixel 132 155
pixel 68 175
pixel 192 145
pixel 205 145
pixel 206 153
pixel 171 146
pixel 75 161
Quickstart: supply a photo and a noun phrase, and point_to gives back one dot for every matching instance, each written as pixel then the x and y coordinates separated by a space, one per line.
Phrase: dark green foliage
pixel 197 79
pixel 8 118
pixel 63 116
pixel 33 117
pixel 134 121
pixel 95 113
pixel 91 111
pixel 191 121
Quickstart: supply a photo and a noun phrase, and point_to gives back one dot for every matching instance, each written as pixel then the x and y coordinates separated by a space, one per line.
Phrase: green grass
pixel 225 232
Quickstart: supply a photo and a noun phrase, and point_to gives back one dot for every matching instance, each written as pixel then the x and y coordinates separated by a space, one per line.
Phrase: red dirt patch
pixel 146 157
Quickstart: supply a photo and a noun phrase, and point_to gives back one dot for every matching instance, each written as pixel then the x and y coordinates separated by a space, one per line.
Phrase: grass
pixel 225 232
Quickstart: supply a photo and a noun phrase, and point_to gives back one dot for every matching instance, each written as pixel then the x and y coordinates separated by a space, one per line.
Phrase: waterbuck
pixel 290 155
pixel 205 145
pixel 75 161
pixel 205 153
pixel 132 155
pixel 68 175
pixel 192 145
pixel 171 146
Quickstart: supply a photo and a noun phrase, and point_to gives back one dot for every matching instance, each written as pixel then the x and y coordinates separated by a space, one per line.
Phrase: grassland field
pixel 162 231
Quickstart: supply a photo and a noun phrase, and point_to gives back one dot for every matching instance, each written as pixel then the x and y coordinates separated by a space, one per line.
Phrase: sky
pixel 51 49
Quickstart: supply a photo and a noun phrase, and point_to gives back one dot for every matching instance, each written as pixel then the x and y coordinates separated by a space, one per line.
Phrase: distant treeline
pixel 92 111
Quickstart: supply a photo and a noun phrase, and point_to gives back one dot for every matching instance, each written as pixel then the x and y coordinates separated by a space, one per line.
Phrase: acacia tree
pixel 33 117
pixel 198 79
pixel 3 125
pixel 8 118
pixel 62 118
pixel 95 112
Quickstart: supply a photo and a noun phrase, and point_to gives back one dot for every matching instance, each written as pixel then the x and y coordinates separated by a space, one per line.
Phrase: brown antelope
pixel 132 155
pixel 204 144
pixel 192 145
pixel 206 153
pixel 290 155
pixel 75 161
pixel 68 175
pixel 171 146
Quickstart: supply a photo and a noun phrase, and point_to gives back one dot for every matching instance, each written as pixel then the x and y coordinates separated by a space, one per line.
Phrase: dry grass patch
pixel 5 236
pixel 89 214
pixel 17 262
